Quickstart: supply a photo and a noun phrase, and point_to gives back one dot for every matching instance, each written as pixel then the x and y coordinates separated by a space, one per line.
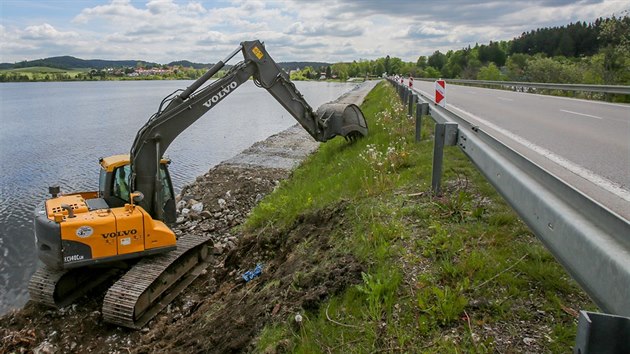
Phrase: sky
pixel 163 31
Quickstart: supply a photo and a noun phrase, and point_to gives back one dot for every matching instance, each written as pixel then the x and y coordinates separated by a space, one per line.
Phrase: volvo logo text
pixel 226 90
pixel 120 233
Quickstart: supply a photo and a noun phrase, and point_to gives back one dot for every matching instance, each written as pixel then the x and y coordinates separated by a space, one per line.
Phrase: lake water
pixel 54 134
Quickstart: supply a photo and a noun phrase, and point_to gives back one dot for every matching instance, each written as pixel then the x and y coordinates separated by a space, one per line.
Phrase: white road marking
pixel 581 114
pixel 587 174
pixel 505 99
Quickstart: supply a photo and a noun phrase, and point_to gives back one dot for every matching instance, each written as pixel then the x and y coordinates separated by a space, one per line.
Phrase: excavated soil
pixel 231 312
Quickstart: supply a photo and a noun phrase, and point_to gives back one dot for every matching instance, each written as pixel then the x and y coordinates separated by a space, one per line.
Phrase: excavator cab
pixel 115 186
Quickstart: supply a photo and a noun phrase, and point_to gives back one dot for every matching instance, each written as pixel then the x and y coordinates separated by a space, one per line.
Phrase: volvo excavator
pixel 85 238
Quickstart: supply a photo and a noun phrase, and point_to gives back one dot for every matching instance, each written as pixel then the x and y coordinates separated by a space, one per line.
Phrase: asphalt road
pixel 585 143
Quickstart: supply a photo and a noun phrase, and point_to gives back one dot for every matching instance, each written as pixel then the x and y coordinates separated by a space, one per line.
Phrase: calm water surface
pixel 54 134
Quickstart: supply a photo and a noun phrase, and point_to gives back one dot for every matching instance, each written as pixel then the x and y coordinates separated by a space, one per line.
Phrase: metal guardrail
pixel 589 240
pixel 618 89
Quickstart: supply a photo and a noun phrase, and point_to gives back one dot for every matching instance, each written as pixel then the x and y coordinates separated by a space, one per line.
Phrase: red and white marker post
pixel 440 90
pixel 410 81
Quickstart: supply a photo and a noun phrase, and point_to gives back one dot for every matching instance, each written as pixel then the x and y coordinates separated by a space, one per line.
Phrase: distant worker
pixel 410 81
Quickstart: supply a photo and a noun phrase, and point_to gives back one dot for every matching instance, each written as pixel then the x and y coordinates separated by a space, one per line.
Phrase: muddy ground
pixel 219 312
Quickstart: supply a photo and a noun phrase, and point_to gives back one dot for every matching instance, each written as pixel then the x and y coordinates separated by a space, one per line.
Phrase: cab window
pixel 166 196
pixel 167 189
pixel 121 182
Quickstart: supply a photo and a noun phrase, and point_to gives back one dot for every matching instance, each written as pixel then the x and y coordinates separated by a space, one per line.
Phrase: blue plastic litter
pixel 251 274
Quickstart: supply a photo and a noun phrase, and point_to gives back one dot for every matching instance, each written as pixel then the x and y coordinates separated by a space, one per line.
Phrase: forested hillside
pixel 68 62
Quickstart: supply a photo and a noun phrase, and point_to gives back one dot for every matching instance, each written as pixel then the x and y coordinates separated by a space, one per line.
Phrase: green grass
pixel 41 73
pixel 38 69
pixel 454 273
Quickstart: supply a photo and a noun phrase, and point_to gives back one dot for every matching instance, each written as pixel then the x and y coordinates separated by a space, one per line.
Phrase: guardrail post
pixel 600 333
pixel 422 109
pixel 412 99
pixel 425 108
pixel 445 135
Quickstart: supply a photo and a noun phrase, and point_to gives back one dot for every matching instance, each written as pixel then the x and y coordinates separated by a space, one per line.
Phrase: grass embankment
pixel 458 272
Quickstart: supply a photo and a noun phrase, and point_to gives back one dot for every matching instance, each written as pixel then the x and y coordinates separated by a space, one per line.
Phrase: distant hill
pixel 69 62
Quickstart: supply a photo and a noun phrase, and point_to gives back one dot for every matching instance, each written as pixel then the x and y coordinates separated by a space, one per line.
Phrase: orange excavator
pixel 85 238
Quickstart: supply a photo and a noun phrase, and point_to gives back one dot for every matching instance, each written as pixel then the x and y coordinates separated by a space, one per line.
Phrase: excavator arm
pixel 182 108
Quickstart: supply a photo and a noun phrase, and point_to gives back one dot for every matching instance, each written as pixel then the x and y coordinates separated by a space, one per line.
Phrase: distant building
pixel 152 71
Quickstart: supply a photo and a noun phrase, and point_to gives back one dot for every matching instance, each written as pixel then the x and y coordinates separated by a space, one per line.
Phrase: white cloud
pixel 427 30
pixel 115 10
pixel 325 29
pixel 203 31
pixel 195 7
pixel 46 32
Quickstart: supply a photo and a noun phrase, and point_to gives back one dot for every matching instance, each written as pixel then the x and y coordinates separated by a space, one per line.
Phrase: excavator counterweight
pixel 85 237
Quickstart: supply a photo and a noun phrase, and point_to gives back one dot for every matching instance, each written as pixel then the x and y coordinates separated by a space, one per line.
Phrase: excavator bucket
pixel 342 119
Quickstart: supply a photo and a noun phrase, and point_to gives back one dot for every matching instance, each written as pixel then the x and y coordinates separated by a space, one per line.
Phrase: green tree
pixel 472 68
pixel 567 46
pixel 309 72
pixel 455 64
pixel 341 70
pixel 492 53
pixel 437 60
pixel 615 34
pixel 431 72
pixel 549 70
pixel 380 69
pixel 490 72
pixel 516 65
pixel 396 64
pixel 422 62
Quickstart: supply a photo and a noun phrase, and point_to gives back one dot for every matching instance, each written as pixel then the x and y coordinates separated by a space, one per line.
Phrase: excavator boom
pixel 184 109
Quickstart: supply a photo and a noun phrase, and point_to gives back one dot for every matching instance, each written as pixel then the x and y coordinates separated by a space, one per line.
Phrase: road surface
pixel 585 143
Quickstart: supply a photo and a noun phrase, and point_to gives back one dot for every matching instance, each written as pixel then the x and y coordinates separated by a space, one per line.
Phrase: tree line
pixel 178 73
pixel 593 53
